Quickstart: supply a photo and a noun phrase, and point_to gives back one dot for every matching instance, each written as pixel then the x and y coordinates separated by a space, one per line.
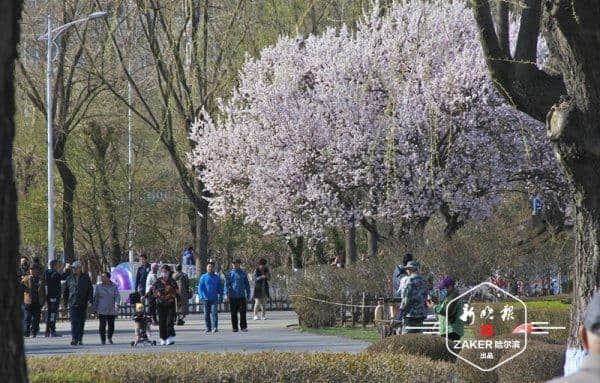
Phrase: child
pixel 142 325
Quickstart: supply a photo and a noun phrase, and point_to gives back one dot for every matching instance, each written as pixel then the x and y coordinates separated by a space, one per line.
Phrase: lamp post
pixel 52 35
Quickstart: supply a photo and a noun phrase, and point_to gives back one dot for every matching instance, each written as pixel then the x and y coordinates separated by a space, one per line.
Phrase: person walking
pixel 237 291
pixel 34 291
pixel 210 290
pixel 79 293
pixel 183 283
pixel 188 256
pixel 166 294
pixel 449 313
pixel 142 275
pixel 22 271
pixel 399 277
pixel 414 294
pixel 53 279
pixel 261 278
pixel 150 281
pixel 106 302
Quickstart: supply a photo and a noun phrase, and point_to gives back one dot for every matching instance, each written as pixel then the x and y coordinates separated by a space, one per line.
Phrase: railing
pixel 127 310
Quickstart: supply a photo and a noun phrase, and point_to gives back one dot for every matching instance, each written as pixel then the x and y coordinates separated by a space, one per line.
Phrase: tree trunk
pixel 100 137
pixel 452 219
pixel 12 364
pixel 319 254
pixel 201 237
pixel 372 235
pixel 351 255
pixel 568 101
pixel 587 231
pixel 297 251
pixel 68 221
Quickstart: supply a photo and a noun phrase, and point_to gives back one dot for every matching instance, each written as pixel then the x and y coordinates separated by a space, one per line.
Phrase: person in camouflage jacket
pixel 414 295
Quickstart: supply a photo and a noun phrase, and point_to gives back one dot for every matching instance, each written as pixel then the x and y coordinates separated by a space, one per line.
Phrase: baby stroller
pixel 142 327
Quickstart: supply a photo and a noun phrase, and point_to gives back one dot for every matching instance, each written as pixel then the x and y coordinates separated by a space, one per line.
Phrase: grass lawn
pixel 547 304
pixel 368 334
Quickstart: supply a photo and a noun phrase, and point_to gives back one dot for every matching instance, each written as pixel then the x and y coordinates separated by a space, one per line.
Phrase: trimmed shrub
pixel 540 362
pixel 543 361
pixel 238 367
pixel 557 315
pixel 474 375
pixel 431 346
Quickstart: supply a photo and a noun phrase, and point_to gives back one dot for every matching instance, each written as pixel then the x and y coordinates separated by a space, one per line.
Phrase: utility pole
pixel 49 119
pixel 50 37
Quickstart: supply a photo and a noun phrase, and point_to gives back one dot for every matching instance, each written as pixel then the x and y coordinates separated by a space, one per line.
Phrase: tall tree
pixel 344 127
pixel 73 91
pixel 12 365
pixel 193 49
pixel 565 96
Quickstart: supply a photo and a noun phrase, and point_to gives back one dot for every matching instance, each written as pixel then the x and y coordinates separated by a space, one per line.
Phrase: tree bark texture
pixel 569 103
pixel 351 254
pixel 12 363
pixel 297 247
pixel 68 221
pixel 372 236
pixel 201 236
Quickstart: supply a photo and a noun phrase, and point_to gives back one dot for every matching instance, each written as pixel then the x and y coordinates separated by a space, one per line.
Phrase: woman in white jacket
pixel 106 301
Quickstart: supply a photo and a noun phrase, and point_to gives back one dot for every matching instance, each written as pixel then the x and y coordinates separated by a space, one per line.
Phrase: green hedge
pixel 238 367
pixel 540 362
pixel 555 314
pixel 548 366
pixel 431 346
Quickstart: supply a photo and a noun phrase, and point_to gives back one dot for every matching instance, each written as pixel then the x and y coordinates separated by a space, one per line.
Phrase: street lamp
pixel 52 35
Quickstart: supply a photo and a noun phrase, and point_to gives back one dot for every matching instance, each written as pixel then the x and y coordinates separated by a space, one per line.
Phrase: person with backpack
pixel 166 294
pixel 237 290
pixel 448 313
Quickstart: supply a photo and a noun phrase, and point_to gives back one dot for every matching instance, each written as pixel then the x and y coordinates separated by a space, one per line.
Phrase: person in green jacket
pixel 452 324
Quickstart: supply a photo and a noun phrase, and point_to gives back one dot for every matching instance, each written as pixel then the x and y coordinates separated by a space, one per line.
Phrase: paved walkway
pixel 271 334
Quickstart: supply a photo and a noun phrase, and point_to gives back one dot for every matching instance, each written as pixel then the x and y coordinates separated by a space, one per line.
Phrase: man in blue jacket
pixel 237 291
pixel 210 290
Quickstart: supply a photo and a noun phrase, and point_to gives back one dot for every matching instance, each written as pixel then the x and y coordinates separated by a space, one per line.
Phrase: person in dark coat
pixel 183 283
pixel 34 291
pixel 261 278
pixel 79 294
pixel 142 275
pixel 53 280
pixel 166 293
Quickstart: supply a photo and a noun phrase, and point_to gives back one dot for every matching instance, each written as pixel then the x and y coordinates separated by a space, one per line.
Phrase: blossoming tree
pixel 396 121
